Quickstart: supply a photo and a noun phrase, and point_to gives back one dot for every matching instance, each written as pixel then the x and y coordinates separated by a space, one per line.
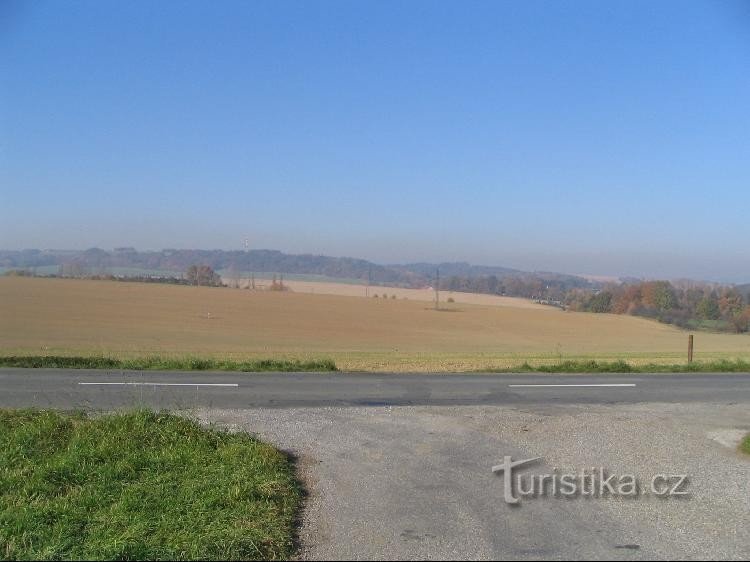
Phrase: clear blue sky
pixel 588 137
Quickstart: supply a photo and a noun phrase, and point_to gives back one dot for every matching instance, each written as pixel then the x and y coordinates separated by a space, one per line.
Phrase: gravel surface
pixel 416 482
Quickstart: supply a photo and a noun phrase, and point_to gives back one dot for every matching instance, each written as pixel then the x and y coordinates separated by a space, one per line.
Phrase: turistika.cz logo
pixel 592 482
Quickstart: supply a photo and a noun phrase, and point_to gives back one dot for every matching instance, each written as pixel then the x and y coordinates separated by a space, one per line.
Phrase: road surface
pixel 107 389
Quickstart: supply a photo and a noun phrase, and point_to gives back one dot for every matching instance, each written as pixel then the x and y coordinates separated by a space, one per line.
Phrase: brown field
pixel 60 316
pixel 424 295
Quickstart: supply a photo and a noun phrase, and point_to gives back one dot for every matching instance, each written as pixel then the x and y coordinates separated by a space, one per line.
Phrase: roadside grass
pixel 745 445
pixel 162 363
pixel 592 366
pixel 159 363
pixel 140 485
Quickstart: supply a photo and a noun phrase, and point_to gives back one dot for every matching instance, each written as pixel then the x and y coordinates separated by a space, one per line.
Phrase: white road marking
pixel 157 384
pixel 570 385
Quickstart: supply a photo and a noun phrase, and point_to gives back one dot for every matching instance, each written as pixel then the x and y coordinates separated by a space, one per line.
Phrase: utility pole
pixel 437 289
pixel 246 243
pixel 690 348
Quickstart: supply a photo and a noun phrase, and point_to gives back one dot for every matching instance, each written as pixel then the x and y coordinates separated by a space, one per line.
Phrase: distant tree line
pixel 195 275
pixel 140 279
pixel 19 273
pixel 528 286
pixel 721 308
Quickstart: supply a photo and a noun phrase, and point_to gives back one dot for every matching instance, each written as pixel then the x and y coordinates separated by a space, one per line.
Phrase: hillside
pixel 95 260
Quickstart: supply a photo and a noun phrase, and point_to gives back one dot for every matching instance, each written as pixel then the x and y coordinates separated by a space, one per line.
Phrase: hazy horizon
pixel 593 138
pixel 509 264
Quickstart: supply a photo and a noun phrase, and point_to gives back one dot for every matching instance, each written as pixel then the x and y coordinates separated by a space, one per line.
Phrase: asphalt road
pixel 108 389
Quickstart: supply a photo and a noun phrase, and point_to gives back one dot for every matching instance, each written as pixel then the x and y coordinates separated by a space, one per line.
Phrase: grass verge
pixel 140 485
pixel 158 363
pixel 723 366
pixel 745 445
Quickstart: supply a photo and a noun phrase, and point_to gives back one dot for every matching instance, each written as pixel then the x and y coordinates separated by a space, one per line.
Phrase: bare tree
pixel 203 275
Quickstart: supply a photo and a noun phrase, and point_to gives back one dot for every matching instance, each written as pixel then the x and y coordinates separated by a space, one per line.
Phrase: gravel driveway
pixel 416 482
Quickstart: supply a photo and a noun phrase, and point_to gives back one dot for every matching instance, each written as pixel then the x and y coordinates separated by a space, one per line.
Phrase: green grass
pixel 140 485
pixel 709 325
pixel 745 445
pixel 159 363
pixel 721 366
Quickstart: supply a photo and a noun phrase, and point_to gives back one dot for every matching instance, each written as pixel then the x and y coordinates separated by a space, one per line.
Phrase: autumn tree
pixel 741 321
pixel 659 295
pixel 731 303
pixel 627 300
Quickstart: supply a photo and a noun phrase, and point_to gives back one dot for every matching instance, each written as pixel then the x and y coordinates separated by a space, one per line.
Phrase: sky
pixel 608 138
